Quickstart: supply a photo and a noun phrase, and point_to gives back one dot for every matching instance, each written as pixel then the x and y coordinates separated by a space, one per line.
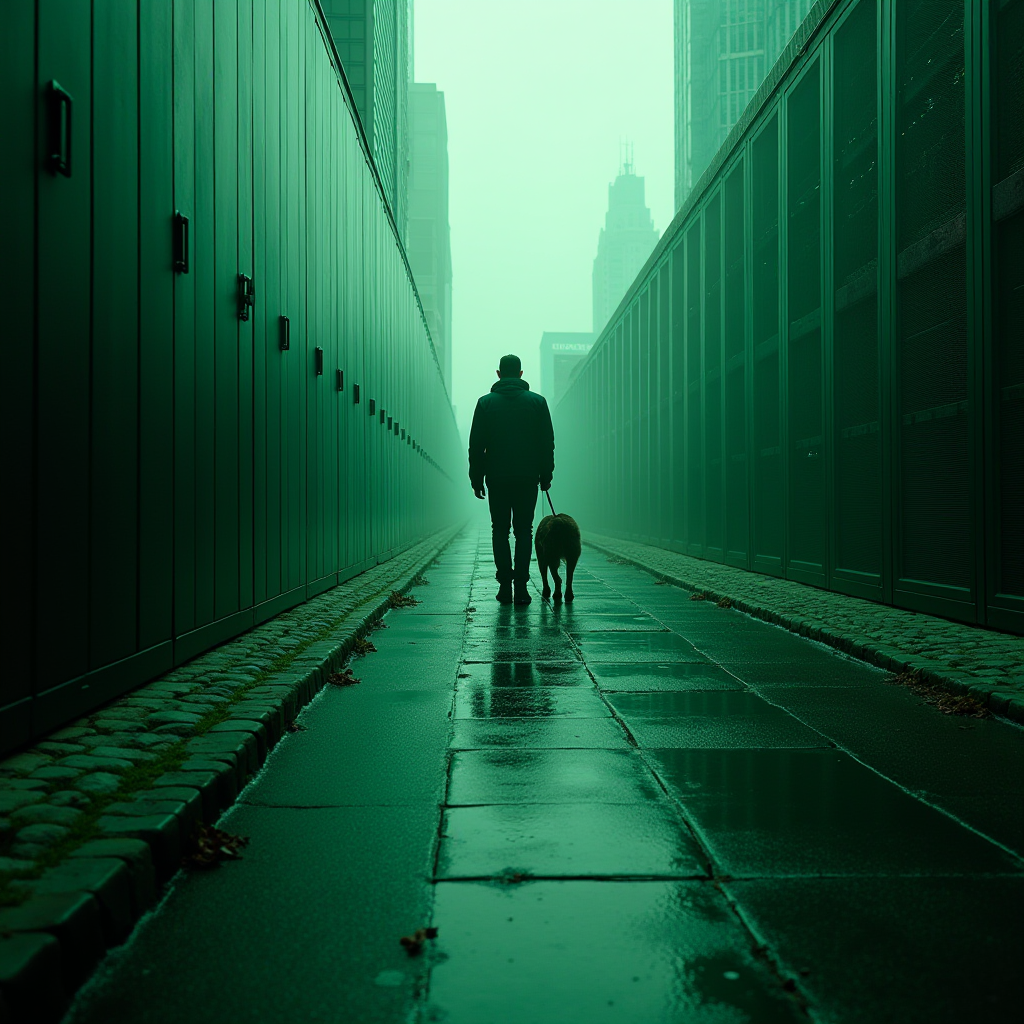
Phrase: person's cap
pixel 510 366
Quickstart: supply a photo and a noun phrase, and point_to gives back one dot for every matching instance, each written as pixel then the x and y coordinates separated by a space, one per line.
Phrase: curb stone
pixel 998 694
pixel 91 900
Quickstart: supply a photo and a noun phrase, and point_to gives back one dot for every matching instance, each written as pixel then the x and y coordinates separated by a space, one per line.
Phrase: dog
pixel 558 540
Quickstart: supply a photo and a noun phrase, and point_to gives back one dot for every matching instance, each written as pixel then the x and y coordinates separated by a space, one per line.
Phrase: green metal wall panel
pixel 694 538
pixel 63 234
pixel 203 271
pixel 714 525
pixel 644 468
pixel 17 274
pixel 665 468
pixel 677 341
pixel 228 367
pixel 244 486
pixel 735 321
pixel 113 429
pixel 265 542
pixel 156 326
pixel 768 482
pixel 1006 362
pixel 806 541
pixel 933 460
pixel 185 123
pixel 856 343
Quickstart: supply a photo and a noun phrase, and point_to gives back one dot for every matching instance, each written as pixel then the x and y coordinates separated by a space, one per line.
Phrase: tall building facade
pixel 625 242
pixel 723 51
pixel 373 39
pixel 428 238
pixel 560 353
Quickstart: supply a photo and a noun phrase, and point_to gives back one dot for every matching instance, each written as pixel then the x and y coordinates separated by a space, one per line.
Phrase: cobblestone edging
pixel 988 666
pixel 94 819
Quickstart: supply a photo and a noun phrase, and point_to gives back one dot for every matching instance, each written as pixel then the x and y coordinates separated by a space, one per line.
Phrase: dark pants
pixel 512 504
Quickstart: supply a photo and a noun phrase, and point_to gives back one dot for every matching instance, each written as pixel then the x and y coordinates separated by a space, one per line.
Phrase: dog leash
pixel 547 494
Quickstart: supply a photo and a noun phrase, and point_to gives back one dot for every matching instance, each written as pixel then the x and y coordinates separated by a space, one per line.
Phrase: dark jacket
pixel 512 435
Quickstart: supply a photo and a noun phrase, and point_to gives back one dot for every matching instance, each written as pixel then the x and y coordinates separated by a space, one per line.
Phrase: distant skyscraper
pixel 560 353
pixel 723 51
pixel 428 240
pixel 373 41
pixel 625 242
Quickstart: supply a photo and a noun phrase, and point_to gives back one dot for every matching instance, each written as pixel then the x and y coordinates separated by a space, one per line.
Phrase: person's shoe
pixel 505 593
pixel 522 594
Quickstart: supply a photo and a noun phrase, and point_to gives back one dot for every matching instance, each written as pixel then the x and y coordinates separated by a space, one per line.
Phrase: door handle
pixel 180 242
pixel 59 155
pixel 286 334
pixel 319 361
pixel 246 296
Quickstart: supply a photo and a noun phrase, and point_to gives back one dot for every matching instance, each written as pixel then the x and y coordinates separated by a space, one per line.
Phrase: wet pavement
pixel 637 808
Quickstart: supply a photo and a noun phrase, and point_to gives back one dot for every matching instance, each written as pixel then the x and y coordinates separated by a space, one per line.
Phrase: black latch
pixel 286 334
pixel 318 356
pixel 341 380
pixel 246 296
pixel 180 242
pixel 355 394
pixel 58 156
pixel 373 406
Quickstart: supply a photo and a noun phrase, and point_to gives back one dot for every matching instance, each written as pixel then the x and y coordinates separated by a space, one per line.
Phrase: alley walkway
pixel 639 808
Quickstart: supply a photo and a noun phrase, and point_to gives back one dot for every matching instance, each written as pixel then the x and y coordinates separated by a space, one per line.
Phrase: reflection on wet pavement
pixel 599 953
pixel 638 809
pixel 661 757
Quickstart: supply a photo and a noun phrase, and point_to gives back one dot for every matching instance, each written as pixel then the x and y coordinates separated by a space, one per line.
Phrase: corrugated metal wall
pixel 827 346
pixel 173 474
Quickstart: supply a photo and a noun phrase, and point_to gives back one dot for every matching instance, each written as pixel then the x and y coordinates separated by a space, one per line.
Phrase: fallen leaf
pixel 398 600
pixel 295 727
pixel 209 846
pixel 362 646
pixel 414 943
pixel 343 678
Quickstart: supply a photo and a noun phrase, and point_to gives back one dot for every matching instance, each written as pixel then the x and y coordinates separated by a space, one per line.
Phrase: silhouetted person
pixel 512 447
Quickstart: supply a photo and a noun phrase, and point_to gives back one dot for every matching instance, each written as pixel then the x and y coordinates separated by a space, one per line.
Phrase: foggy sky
pixel 539 94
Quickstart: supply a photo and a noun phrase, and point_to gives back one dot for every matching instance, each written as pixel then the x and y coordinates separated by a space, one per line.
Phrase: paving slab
pixel 528 702
pixel 916 950
pixel 768 813
pixel 360 746
pixel 550 777
pixel 614 646
pixel 301 929
pixel 563 840
pixel 471 733
pixel 720 719
pixel 524 674
pixel 970 767
pixel 597 953
pixel 671 676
